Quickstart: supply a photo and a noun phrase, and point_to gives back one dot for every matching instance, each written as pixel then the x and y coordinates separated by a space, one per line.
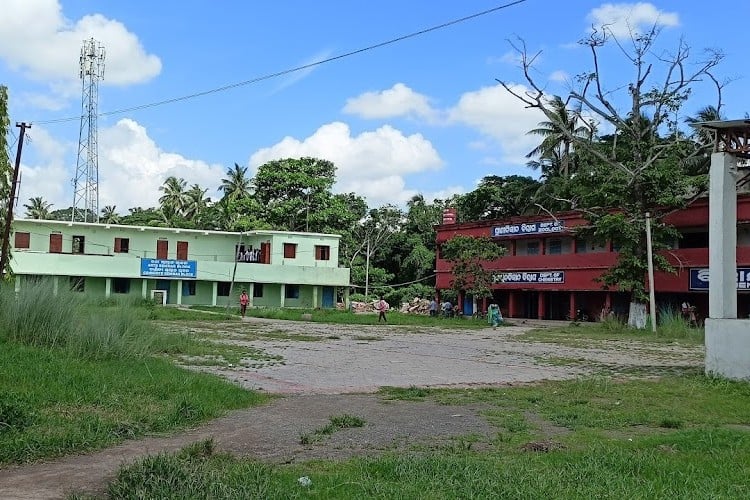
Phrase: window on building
pixel 532 248
pixel 291 292
pixel 79 244
pixel 162 249
pixel 55 243
pixel 121 285
pixel 122 245
pixel 222 288
pixel 23 240
pixel 554 247
pixel 258 290
pixel 188 288
pixel 694 240
pixel 322 252
pixel 290 250
pixel 182 250
pixel 77 283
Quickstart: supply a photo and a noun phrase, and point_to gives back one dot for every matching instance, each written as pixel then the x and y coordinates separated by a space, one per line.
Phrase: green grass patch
pixel 581 336
pixel 679 464
pixel 52 403
pixel 336 423
pixel 335 316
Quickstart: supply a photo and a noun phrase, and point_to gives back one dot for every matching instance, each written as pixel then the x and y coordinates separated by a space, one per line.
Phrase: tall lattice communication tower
pixel 86 181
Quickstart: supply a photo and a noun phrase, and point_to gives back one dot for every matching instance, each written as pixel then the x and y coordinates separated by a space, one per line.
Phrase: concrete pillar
pixel 179 292
pixel 573 306
pixel 511 304
pixel 144 288
pixel 250 294
pixel 17 284
pixel 722 237
pixel 282 299
pixel 214 292
pixel 55 285
pixel 107 287
pixel 315 296
pixel 541 305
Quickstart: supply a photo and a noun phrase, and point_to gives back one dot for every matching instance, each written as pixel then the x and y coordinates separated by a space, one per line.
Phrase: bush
pixel 36 316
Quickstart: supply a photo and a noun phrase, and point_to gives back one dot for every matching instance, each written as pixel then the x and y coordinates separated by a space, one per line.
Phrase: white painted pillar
pixel 179 292
pixel 722 237
pixel 346 298
pixel 107 287
pixel 144 288
pixel 282 300
pixel 214 292
pixel 315 296
pixel 17 284
pixel 55 285
pixel 251 293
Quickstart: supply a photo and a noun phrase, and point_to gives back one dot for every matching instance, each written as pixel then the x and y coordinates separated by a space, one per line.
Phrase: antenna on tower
pixel 86 181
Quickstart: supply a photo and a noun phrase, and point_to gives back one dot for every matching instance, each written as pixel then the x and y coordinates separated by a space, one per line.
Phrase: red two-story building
pixel 549 273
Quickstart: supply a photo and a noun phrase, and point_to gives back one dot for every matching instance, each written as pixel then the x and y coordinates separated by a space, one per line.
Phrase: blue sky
pixel 424 115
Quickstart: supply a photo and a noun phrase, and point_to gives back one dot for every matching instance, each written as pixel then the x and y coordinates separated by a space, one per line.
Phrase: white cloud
pixel 399 100
pixel 45 175
pixel 501 116
pixel 37 39
pixel 132 167
pixel 371 164
pixel 559 76
pixel 622 18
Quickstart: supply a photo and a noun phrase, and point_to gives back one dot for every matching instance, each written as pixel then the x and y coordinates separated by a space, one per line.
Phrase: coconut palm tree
pixel 110 215
pixel 37 208
pixel 174 198
pixel 195 201
pixel 236 184
pixel 559 133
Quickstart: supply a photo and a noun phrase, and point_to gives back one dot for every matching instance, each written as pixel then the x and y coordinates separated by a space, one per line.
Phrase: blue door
pixel 327 297
pixel 164 285
pixel 468 305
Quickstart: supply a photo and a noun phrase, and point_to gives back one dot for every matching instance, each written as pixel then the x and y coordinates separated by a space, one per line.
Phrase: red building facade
pixel 548 273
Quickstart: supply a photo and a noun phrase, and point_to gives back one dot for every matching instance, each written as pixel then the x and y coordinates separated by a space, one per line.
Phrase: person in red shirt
pixel 382 306
pixel 244 301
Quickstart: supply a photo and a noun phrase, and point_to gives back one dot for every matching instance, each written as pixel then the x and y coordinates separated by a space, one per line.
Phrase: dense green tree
pixel 195 202
pixel 295 194
pixel 644 167
pixel 498 197
pixel 38 208
pixel 468 256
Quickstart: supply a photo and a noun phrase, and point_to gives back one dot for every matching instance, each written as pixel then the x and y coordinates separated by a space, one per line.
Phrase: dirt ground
pixel 338 375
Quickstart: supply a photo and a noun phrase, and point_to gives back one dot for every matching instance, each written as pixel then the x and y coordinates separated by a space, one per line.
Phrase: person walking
pixel 494 316
pixel 244 301
pixel 382 306
pixel 433 307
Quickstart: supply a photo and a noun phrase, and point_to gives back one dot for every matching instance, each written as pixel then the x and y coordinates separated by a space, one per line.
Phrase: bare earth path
pixel 336 375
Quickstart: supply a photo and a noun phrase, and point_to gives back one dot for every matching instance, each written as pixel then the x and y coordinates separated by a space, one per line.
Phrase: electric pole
pixel 11 200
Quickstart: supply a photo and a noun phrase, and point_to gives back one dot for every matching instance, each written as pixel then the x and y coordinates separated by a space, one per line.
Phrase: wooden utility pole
pixel 4 257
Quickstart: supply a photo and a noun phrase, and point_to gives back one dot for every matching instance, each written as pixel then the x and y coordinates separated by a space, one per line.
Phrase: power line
pixel 294 69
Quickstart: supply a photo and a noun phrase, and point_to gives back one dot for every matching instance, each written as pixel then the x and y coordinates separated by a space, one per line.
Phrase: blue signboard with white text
pixel 169 268
pixel 550 226
pixel 699 278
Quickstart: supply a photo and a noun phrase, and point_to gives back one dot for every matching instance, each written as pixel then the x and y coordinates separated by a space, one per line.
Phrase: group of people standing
pixel 248 254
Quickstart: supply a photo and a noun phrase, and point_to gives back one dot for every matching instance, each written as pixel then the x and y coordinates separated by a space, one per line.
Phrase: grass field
pixel 678 437
pixel 335 316
pixel 78 376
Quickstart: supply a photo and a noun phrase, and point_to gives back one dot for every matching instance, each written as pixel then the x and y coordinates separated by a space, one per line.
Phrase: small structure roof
pixel 730 136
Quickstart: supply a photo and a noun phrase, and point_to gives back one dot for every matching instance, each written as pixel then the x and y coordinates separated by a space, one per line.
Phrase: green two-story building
pixel 181 266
